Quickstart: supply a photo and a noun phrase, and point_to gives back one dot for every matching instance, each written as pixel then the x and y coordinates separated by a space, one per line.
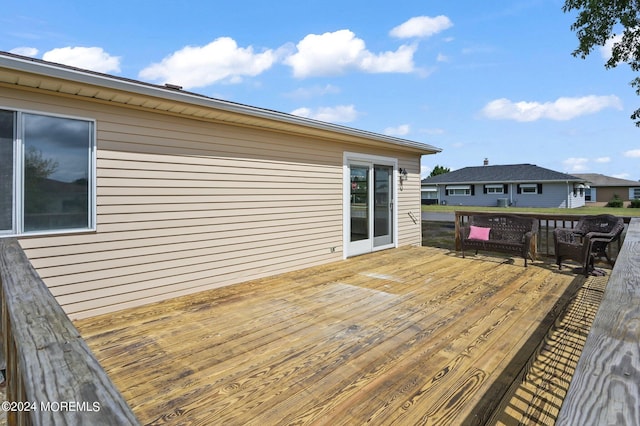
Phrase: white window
pixel 464 190
pixel 46 173
pixel 494 189
pixel 529 188
pixel 587 194
pixel 635 193
pixel 429 193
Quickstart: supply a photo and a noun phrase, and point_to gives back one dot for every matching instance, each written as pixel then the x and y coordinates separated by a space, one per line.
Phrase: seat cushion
pixel 479 233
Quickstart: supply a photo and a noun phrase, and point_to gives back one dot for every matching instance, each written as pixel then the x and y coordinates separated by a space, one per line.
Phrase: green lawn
pixel 578 211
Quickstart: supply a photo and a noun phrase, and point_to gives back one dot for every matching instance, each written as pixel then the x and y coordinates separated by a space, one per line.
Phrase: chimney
pixel 486 162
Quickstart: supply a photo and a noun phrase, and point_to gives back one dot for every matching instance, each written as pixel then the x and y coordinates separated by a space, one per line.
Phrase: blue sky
pixel 479 80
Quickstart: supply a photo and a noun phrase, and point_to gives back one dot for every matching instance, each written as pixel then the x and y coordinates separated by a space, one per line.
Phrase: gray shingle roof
pixel 596 179
pixel 501 174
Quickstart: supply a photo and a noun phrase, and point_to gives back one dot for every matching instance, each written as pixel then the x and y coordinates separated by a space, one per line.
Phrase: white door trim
pixel 371 160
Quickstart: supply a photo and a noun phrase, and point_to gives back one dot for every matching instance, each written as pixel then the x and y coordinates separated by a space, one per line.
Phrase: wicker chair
pixel 588 240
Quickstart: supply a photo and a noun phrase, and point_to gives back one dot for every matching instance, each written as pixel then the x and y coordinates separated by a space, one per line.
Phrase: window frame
pixel 528 188
pixel 451 190
pixel 18 194
pixel 494 189
pixel 429 193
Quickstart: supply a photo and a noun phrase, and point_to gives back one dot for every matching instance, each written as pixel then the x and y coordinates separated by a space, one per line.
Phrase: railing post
pixel 457 230
pixel 53 378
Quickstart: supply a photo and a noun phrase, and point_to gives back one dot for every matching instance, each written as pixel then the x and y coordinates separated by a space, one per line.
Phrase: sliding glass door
pixel 383 206
pixel 371 220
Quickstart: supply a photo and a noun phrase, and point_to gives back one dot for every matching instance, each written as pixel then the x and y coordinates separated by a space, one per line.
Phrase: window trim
pixel 18 175
pixel 524 187
pixel 429 194
pixel 494 189
pixel 467 188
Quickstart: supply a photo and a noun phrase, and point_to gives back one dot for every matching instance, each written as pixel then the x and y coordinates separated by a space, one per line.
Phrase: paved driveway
pixel 439 217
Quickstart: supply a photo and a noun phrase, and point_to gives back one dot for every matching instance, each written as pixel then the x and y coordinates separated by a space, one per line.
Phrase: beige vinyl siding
pixel 186 205
pixel 409 203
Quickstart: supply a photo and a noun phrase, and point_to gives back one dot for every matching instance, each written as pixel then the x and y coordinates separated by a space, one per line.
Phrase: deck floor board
pixel 415 335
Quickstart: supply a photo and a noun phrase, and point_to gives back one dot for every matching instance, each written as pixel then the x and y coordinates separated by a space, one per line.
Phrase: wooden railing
pixel 546 224
pixel 605 389
pixel 52 376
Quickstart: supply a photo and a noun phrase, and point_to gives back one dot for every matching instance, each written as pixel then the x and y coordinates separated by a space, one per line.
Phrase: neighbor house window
pixel 459 190
pixel 636 193
pixel 530 188
pixel 495 189
pixel 429 194
pixel 46 173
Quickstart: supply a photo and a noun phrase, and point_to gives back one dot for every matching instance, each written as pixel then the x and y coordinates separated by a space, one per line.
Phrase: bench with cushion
pixel 498 232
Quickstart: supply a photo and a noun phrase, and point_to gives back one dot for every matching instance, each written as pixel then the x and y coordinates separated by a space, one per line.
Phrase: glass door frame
pixel 371 161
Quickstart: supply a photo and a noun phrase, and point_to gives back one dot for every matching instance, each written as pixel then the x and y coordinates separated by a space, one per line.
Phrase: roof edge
pixel 77 75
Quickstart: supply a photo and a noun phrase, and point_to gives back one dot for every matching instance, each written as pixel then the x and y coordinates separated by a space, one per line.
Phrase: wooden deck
pixel 415 335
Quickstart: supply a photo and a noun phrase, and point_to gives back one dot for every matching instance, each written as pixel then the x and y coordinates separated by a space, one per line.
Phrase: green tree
pixel 37 168
pixel 616 202
pixel 439 170
pixel 599 22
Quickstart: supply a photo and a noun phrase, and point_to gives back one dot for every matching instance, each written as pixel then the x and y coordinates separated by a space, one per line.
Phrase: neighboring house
pixel 522 185
pixel 153 192
pixel 603 188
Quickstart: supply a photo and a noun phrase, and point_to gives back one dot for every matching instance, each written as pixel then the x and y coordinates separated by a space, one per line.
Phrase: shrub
pixel 616 201
pixel 635 204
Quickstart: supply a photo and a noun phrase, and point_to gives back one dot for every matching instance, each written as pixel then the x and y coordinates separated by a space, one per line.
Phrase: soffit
pixel 92 86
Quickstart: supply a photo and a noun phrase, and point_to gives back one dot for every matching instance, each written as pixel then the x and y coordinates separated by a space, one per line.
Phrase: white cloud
pixel 421 26
pixel 91 58
pixel 25 51
pixel 335 53
pixel 607 50
pixel 575 164
pixel 560 110
pixel 337 114
pixel 622 176
pixel 603 160
pixel 442 58
pixel 634 153
pixel 199 66
pixel 400 130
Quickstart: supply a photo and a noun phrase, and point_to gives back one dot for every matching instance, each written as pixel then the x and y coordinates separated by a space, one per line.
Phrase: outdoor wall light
pixel 403 174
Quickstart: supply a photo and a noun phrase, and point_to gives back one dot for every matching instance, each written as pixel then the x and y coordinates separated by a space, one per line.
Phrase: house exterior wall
pixel 553 194
pixel 185 205
pixel 606 193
